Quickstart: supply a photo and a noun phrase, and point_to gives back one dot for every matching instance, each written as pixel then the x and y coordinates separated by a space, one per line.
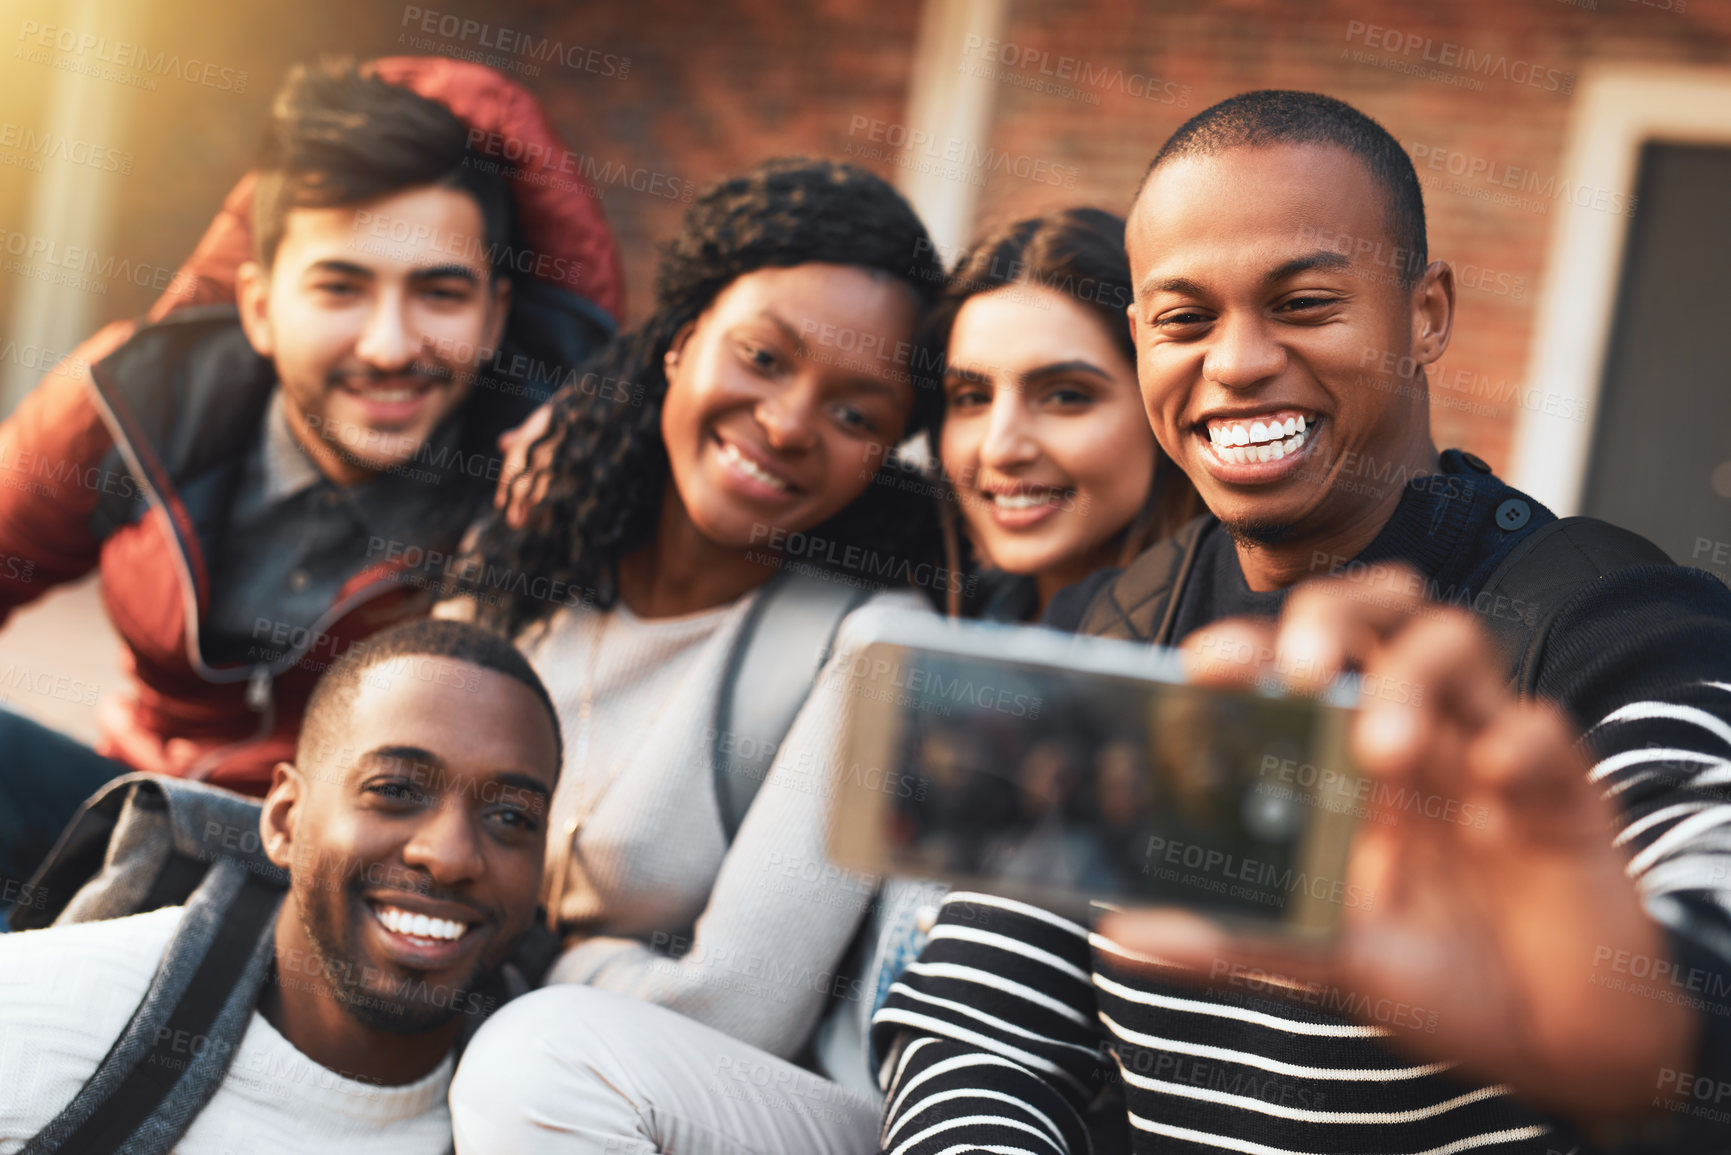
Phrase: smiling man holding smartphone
pixel 1560 677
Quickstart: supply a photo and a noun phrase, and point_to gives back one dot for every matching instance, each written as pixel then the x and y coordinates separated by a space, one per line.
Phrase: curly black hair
pixel 609 467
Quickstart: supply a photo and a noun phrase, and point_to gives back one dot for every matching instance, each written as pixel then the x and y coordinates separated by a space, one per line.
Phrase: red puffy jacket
pixel 98 464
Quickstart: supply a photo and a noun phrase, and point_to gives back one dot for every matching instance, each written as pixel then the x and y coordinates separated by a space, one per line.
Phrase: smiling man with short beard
pixel 436 825
pixel 283 460
pixel 412 825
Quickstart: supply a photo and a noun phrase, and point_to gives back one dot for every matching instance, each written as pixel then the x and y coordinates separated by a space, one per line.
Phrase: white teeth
pixel 1020 500
pixel 1255 433
pixel 419 925
pixel 750 468
pixel 1232 444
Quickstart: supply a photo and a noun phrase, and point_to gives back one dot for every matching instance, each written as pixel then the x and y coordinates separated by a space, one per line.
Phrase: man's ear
pixel 281 812
pixel 1433 313
pixel 498 313
pixel 252 294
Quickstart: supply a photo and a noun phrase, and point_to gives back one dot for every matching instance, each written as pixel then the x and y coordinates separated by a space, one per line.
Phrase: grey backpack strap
pixel 153 1082
pixel 141 842
pixel 782 644
pixel 1522 597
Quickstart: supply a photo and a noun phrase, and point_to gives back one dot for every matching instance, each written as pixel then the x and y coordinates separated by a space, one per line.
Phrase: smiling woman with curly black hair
pixel 760 260
pixel 742 431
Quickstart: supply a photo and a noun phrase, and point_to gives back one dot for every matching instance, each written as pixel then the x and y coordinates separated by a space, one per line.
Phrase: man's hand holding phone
pixel 1496 925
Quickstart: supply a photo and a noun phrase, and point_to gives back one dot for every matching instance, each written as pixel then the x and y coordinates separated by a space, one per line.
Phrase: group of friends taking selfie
pixel 438 588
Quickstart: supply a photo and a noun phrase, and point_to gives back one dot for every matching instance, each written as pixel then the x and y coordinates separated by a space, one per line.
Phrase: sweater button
pixel 1475 462
pixel 1513 513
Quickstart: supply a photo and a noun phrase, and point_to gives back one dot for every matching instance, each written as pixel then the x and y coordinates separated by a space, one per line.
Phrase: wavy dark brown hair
pixel 1078 252
pixel 608 471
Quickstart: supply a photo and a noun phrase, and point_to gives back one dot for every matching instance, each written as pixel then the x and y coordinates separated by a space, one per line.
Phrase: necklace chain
pixel 559 865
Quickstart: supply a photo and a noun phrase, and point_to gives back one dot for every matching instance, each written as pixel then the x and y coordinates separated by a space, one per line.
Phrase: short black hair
pixel 334 694
pixel 1274 116
pixel 338 134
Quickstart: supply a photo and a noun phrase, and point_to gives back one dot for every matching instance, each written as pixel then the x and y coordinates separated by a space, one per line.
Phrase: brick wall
pixel 1204 53
pixel 714 86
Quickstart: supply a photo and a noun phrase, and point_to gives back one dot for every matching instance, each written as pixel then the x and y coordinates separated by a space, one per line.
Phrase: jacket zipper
pixel 260 678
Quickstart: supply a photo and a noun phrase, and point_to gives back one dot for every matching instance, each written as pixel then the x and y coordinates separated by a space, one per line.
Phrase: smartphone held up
pixel 1072 771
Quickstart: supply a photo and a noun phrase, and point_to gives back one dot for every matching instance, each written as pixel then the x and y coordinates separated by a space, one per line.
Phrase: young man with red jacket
pixel 281 459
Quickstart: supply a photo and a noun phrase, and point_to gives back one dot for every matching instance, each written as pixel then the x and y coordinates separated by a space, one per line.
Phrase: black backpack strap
pixel 782 644
pixel 1522 598
pixel 174 1053
pixel 1141 605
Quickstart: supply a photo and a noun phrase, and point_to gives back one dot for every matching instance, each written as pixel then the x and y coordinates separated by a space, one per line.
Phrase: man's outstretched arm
pixel 1509 926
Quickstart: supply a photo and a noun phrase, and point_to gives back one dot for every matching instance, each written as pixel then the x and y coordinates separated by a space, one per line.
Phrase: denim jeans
pixel 44 777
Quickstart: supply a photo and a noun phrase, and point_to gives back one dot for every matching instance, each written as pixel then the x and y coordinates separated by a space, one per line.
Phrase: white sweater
pixel 768 920
pixel 67 992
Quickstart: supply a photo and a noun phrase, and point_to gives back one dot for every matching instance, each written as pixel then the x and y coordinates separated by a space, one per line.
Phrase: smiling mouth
pixel 1018 500
pixel 394 395
pixel 733 456
pixel 394 390
pixel 419 929
pixel 1265 437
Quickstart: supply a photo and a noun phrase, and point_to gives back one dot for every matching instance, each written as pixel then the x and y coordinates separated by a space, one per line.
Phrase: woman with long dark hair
pixel 1052 468
pixel 734 436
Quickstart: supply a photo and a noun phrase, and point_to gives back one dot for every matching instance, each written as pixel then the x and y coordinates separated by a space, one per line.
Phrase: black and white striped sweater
pixel 1014 1020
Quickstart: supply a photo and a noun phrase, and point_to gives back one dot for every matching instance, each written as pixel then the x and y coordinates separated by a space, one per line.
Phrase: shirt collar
pixel 288 469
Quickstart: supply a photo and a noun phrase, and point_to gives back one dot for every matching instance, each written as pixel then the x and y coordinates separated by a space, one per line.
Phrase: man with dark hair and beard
pixel 412 825
pixel 283 459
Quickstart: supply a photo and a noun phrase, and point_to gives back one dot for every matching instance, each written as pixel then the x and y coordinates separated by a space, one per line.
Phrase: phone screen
pixel 1066 785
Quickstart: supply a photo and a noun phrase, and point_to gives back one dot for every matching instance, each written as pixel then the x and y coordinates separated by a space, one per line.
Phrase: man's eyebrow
pixel 440 272
pixel 341 267
pixel 524 782
pixel 1181 285
pixel 1325 259
pixel 415 754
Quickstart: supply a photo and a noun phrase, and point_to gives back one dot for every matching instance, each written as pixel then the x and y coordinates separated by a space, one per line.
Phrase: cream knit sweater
pixel 744 939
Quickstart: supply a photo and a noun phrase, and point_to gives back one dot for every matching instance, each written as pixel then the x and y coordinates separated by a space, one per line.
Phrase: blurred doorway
pixel 1661 454
pixel 1629 409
